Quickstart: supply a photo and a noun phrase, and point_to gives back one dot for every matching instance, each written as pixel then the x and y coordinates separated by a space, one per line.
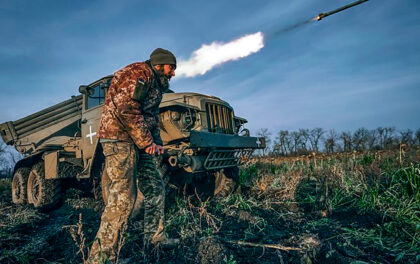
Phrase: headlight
pixel 184 119
pixel 188 119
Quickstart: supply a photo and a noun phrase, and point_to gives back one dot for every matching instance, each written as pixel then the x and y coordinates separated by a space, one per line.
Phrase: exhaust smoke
pixel 209 56
pixel 291 27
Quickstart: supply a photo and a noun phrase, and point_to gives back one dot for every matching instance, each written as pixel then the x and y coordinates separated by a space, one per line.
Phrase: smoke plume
pixel 209 56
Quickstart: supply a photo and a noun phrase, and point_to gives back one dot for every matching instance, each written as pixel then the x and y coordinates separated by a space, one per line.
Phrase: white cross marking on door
pixel 90 135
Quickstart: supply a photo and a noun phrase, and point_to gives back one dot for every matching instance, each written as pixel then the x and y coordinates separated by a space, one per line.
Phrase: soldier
pixel 130 138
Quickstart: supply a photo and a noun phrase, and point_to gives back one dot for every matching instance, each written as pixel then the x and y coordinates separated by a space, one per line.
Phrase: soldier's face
pixel 165 73
pixel 169 71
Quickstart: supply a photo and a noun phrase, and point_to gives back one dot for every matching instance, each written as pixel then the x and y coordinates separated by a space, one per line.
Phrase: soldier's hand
pixel 154 149
pixel 159 150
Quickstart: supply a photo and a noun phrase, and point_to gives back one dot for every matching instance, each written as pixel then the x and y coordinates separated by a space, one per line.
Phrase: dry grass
pixel 337 209
pixel 76 232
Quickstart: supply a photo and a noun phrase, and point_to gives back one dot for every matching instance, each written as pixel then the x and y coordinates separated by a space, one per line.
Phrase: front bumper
pixel 219 151
pixel 224 141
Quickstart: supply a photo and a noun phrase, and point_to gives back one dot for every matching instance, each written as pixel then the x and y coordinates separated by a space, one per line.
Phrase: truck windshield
pixel 96 97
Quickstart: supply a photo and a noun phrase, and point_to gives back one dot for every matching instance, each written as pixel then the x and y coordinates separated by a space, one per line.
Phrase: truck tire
pixel 19 183
pixel 226 181
pixel 43 194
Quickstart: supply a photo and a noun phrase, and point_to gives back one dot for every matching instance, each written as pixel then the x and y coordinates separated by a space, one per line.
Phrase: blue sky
pixel 358 68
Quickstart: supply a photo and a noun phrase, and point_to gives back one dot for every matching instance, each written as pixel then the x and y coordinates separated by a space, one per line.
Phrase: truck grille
pixel 219 118
pixel 219 159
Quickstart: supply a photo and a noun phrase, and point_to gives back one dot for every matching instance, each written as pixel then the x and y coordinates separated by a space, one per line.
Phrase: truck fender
pixel 95 171
pixel 98 161
pixel 93 164
pixel 28 161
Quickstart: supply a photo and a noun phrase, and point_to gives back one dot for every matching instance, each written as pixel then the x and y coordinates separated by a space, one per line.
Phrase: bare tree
pixel 360 139
pixel 406 137
pixel 288 143
pixel 304 138
pixel 418 136
pixel 331 141
pixel 8 158
pixel 296 139
pixel 381 132
pixel 277 149
pixel 283 142
pixel 263 132
pixel 3 160
pixel 14 156
pixel 315 136
pixel 388 137
pixel 372 139
pixel 347 141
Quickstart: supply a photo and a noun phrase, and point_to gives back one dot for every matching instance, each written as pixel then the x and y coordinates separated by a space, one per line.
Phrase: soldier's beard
pixel 164 79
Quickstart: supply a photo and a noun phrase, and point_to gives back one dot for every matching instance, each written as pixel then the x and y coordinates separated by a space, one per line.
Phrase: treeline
pixel 306 141
pixel 8 158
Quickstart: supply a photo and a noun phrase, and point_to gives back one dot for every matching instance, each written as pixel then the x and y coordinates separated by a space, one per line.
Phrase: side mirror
pixel 86 90
pixel 83 89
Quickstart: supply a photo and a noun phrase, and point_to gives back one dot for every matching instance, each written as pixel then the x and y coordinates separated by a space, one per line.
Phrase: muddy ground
pixel 241 228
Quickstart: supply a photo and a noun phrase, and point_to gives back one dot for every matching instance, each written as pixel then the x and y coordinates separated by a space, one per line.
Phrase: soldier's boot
pixel 125 261
pixel 160 240
pixel 166 243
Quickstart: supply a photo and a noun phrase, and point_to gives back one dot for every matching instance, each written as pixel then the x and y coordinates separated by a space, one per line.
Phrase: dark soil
pixel 27 236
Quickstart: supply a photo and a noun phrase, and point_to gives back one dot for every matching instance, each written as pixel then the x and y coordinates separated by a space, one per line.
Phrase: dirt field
pixel 342 209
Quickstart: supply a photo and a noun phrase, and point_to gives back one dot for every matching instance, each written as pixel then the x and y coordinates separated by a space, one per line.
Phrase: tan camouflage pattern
pixel 130 121
pixel 124 167
pixel 120 160
pixel 126 119
pixel 152 186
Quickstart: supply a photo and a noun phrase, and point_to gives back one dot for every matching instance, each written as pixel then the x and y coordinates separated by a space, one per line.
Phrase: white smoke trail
pixel 209 56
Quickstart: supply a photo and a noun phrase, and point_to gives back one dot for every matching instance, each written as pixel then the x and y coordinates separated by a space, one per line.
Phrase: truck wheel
pixel 20 179
pixel 226 181
pixel 43 194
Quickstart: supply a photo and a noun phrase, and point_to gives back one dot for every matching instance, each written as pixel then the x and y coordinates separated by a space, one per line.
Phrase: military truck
pixel 201 135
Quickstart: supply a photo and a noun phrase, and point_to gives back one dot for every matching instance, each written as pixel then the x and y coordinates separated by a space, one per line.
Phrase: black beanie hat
pixel 162 56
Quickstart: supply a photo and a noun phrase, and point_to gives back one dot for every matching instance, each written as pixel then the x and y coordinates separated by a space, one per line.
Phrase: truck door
pixel 91 115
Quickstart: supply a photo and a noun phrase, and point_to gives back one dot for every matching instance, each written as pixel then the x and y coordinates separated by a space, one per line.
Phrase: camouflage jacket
pixel 131 107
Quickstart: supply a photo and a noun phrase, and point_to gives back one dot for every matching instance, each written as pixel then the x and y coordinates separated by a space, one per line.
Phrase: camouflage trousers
pixel 125 168
pixel 152 186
